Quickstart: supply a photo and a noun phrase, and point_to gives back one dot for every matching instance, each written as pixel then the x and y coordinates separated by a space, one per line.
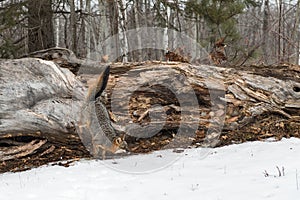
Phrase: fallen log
pixel 206 105
pixel 156 104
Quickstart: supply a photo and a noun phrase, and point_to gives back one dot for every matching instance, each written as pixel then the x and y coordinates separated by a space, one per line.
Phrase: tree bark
pixel 136 9
pixel 73 26
pixel 121 5
pixel 265 33
pixel 114 27
pixel 279 31
pixel 40 27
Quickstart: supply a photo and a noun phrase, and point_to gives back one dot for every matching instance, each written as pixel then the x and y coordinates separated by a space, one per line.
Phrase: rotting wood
pixel 233 104
pixel 248 99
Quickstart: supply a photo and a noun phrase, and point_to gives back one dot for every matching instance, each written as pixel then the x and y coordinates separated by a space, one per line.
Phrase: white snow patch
pixel 229 173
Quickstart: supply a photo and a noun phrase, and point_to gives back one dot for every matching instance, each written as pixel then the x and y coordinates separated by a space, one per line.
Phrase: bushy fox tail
pixel 97 86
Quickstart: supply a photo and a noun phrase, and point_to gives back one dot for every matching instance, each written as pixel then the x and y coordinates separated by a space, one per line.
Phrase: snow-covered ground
pixel 231 172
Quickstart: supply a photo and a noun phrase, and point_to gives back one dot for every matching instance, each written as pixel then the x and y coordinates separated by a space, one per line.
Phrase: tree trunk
pixel 88 31
pixel 279 31
pixel 295 35
pixel 114 27
pixel 122 30
pixel 266 30
pixel 105 27
pixel 136 8
pixel 40 27
pixel 165 34
pixel 73 27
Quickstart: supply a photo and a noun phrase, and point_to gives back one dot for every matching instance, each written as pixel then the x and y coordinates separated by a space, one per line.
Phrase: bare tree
pixel 265 31
pixel 73 26
pixel 40 27
pixel 122 29
pixel 136 9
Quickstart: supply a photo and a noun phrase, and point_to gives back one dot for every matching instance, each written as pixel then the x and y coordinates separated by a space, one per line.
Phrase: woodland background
pixel 257 32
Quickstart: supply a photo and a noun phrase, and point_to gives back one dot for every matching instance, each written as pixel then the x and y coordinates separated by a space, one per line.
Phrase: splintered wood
pixel 148 100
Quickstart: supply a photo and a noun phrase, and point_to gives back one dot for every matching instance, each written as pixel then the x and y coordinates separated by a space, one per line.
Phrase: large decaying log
pixel 156 104
pixel 230 104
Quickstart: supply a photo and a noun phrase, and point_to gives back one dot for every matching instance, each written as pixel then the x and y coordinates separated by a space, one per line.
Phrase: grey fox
pixel 94 116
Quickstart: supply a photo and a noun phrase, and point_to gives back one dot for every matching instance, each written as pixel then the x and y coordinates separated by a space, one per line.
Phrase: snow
pixel 226 173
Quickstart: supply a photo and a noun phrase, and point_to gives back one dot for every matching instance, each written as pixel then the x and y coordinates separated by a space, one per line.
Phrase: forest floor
pixel 64 155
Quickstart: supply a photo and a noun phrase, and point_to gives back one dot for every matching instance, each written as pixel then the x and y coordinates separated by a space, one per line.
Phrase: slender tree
pixel 73 26
pixel 122 29
pixel 266 30
pixel 136 9
pixel 40 25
